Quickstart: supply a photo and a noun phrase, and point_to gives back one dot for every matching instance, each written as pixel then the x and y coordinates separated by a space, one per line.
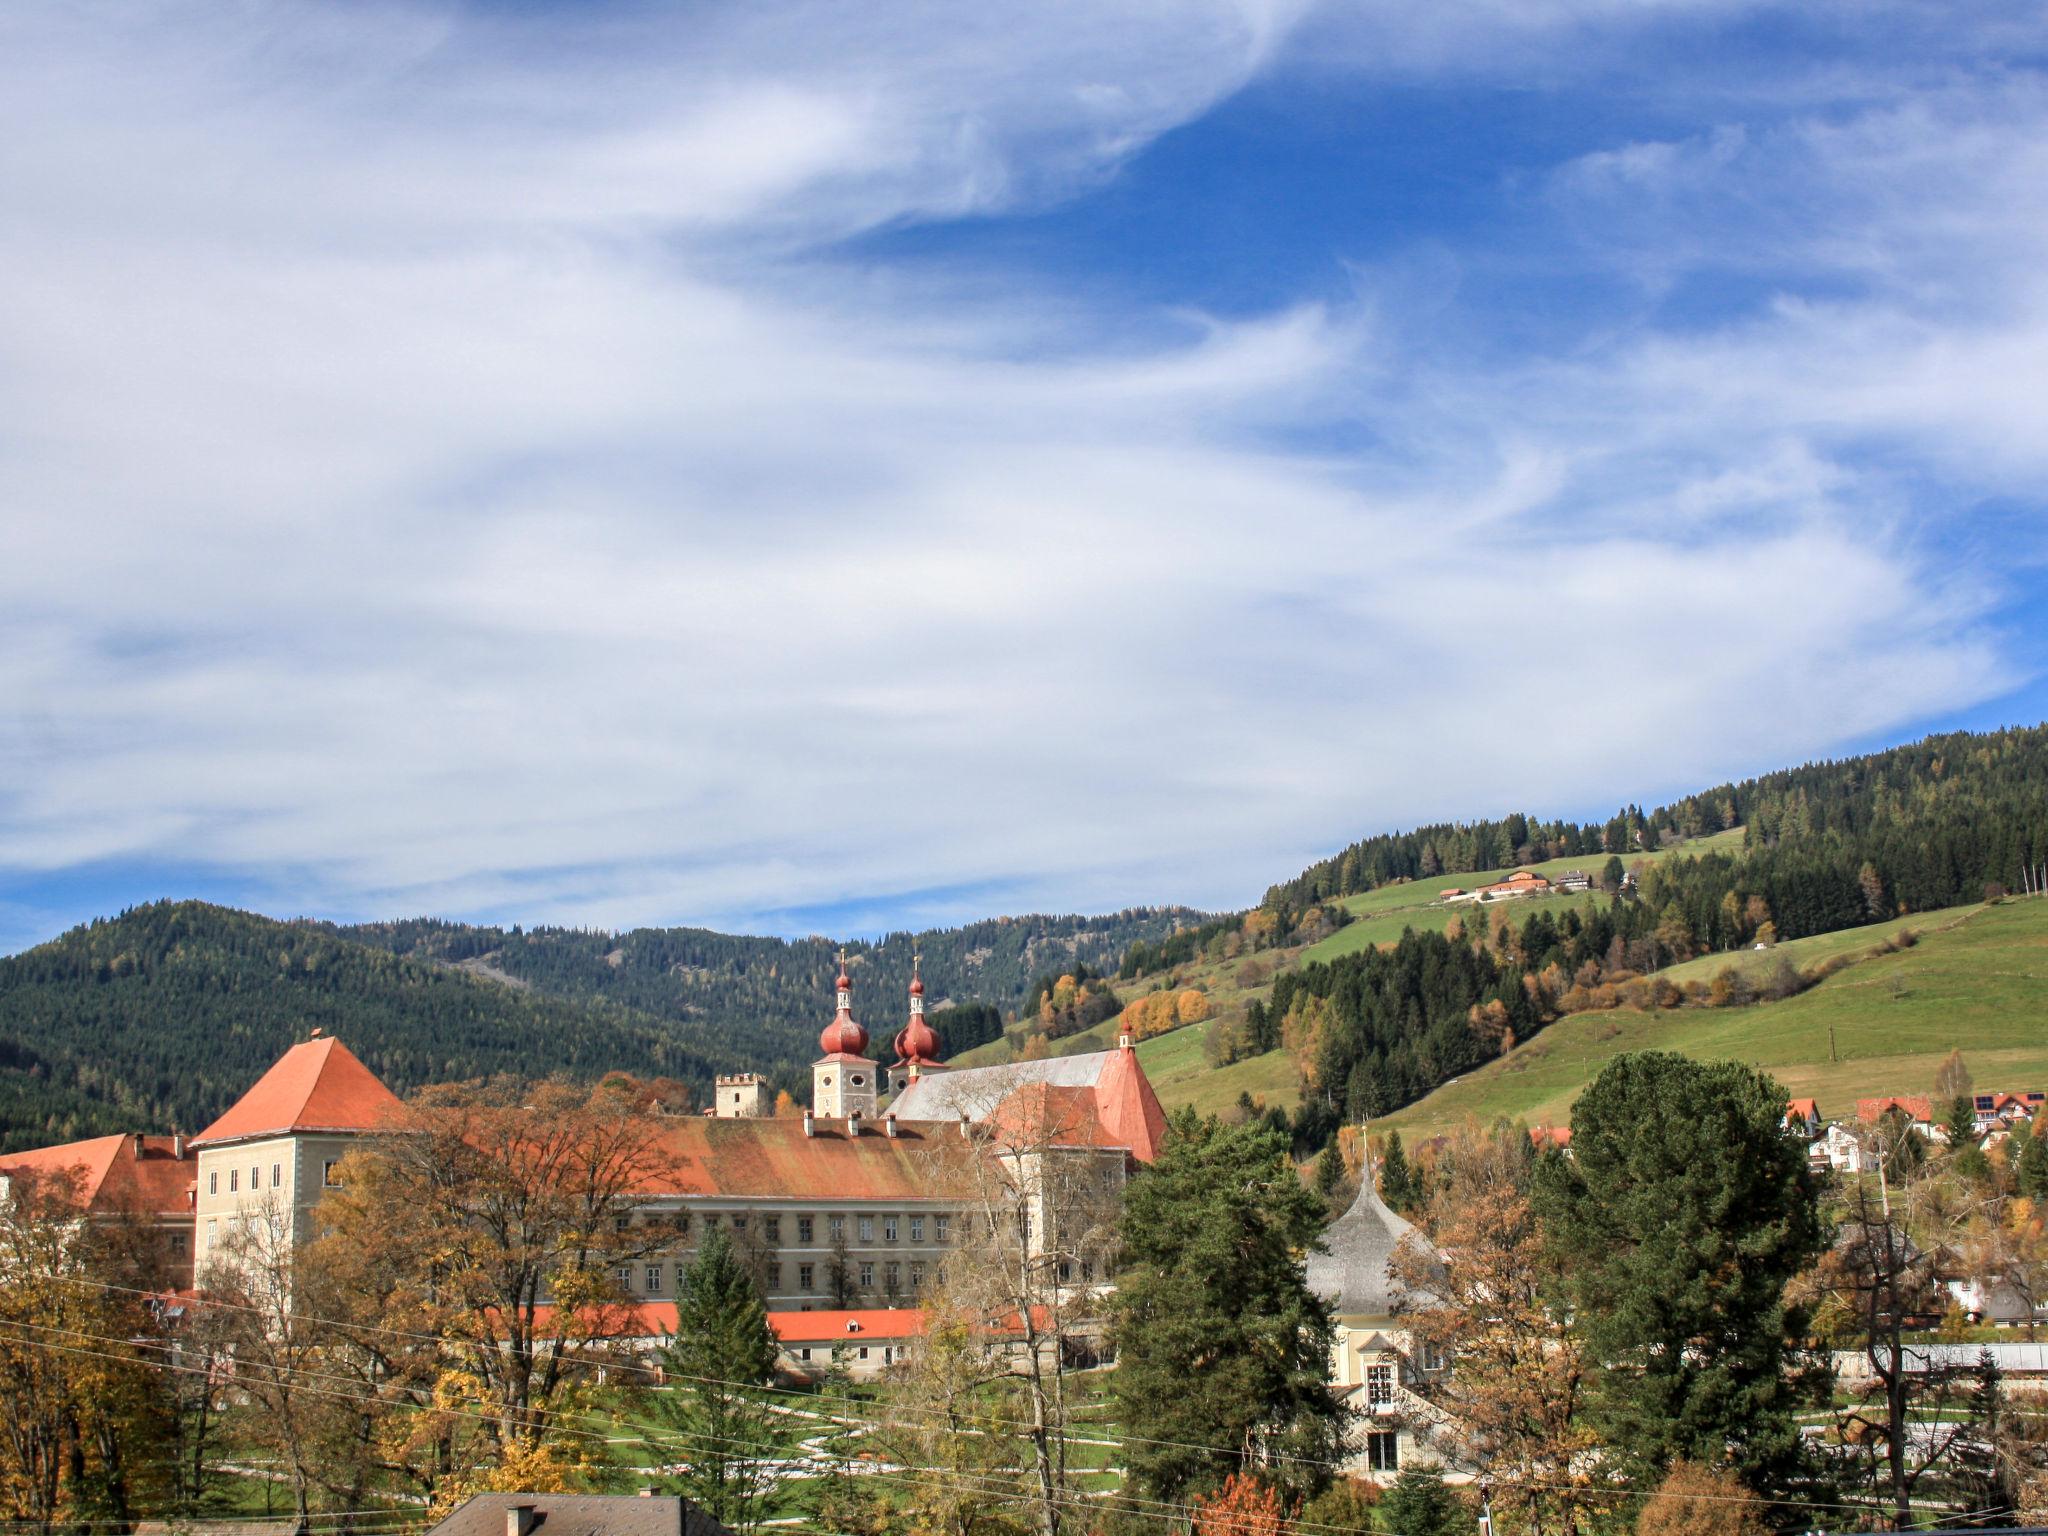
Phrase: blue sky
pixel 803 467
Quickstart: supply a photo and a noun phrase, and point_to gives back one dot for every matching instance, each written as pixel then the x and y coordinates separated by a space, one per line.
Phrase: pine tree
pixel 1682 1213
pixel 1398 1184
pixel 1420 1504
pixel 1222 1350
pixel 718 1424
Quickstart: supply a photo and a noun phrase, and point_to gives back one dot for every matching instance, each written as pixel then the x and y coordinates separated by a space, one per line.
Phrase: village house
pixel 1803 1119
pixel 1523 882
pixel 1375 1366
pixel 146 1181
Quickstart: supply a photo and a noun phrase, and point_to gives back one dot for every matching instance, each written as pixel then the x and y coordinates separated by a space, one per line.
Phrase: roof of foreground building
pixel 1356 1276
pixel 1111 1084
pixel 317 1085
pixel 134 1175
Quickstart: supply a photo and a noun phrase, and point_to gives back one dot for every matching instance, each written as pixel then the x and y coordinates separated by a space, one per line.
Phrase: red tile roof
pixel 754 1158
pixel 1912 1105
pixel 1550 1136
pixel 317 1085
pixel 110 1176
pixel 1803 1109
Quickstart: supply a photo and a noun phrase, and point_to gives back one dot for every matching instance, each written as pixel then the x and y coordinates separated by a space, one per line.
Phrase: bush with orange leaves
pixel 1243 1506
pixel 1700 1501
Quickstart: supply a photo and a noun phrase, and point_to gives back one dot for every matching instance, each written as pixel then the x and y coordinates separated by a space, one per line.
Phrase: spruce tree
pixel 720 1430
pixel 1223 1352
pixel 1680 1216
pixel 1419 1503
pixel 1398 1184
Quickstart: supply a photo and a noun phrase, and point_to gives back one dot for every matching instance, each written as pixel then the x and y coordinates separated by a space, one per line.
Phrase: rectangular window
pixel 1379 1385
pixel 739 1222
pixel 277 1175
pixel 621 1223
pixel 213 1182
pixel 774 1277
pixel 653 1279
pixel 1383 1451
pixel 863 1351
pixel 234 1180
pixel 212 1232
pixel 888 1229
pixel 803 1277
pixel 1432 1358
pixel 804 1353
pixel 625 1276
pixel 328 1178
pixel 917 1229
pixel 867 1274
pixel 867 1229
pixel 803 1229
pixel 916 1276
pixel 683 1223
pixel 178 1242
pixel 836 1225
pixel 939 1227
pixel 255 1178
pixel 892 1278
pixel 771 1228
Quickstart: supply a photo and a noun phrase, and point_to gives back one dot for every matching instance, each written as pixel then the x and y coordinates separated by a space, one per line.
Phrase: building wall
pixel 290 1173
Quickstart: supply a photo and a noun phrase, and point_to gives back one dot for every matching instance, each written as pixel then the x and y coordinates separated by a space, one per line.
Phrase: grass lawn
pixel 1978 982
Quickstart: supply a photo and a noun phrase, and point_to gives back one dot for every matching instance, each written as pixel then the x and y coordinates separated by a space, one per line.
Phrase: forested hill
pixel 776 994
pixel 157 1019
pixel 1939 818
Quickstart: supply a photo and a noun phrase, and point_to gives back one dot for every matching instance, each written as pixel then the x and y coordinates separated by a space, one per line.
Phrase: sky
pixel 799 467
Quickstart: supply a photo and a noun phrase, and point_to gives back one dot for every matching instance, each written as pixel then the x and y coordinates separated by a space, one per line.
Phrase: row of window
pixel 327 1178
pixel 806 1276
pixel 865 1227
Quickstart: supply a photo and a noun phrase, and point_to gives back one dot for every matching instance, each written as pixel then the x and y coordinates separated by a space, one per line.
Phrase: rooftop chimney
pixel 853 1122
pixel 520 1519
pixel 889 1126
pixel 808 1128
pixel 178 1145
pixel 138 1146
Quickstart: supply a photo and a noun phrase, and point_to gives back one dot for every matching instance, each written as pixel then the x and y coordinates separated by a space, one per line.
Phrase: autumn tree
pixel 1701 1501
pixel 1245 1505
pixel 80 1409
pixel 1517 1401
pixel 502 1213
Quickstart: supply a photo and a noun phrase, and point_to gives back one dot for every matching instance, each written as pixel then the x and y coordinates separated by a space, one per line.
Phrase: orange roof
pixel 1550 1135
pixel 752 1158
pixel 830 1327
pixel 317 1085
pixel 1913 1106
pixel 1130 1110
pixel 1803 1109
pixel 111 1175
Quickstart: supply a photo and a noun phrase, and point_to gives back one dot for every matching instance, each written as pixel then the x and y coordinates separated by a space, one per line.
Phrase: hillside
pixel 158 1018
pixel 1976 980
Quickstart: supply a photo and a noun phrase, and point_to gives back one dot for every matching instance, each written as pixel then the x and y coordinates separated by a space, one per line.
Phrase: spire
pixel 917 1043
pixel 843 1037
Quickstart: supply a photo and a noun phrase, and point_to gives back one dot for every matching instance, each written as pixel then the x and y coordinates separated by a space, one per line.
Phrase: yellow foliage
pixel 1193 1006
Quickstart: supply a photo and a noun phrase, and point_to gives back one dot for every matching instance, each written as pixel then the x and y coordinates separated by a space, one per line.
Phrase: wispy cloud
pixel 456 463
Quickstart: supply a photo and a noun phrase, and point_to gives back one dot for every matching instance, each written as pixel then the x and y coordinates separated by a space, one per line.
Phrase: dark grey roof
pixel 1355 1275
pixel 978 1090
pixel 580 1514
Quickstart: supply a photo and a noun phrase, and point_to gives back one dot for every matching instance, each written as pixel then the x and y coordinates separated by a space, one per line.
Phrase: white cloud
pixel 445 474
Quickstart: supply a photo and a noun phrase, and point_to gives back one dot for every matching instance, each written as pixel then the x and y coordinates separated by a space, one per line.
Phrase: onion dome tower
pixel 844 1082
pixel 917 1043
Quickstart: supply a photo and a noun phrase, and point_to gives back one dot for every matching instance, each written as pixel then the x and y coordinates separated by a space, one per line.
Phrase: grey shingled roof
pixel 581 1514
pixel 978 1090
pixel 1355 1275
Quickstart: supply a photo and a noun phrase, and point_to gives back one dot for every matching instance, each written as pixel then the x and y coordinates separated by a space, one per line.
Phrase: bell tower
pixel 844 1081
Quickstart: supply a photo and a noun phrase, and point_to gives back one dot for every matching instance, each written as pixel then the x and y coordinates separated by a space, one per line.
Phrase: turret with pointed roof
pixel 1356 1275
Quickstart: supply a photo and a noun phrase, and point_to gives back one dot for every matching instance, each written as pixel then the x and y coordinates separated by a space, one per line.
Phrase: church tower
pixel 844 1082
pixel 917 1043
